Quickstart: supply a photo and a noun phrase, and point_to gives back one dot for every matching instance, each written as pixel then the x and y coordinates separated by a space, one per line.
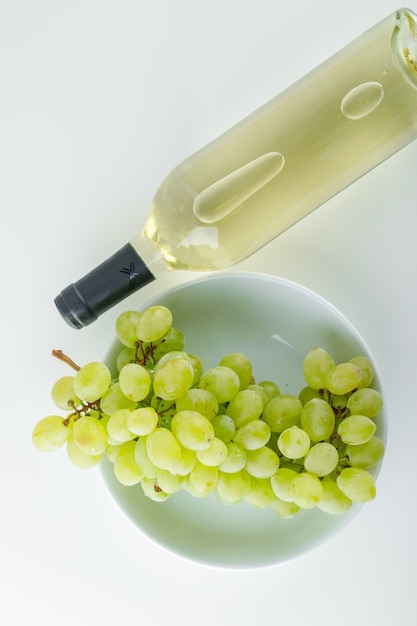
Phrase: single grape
pixel 63 394
pixel 79 458
pixel 235 460
pixel 125 467
pixel 173 340
pixel 261 463
pixel 247 405
pixel 317 364
pixel 306 490
pixel 281 483
pixel 163 448
pixel 92 381
pixel 240 363
pixel 202 479
pixel 144 463
pixel 307 393
pixel 126 328
pixel 118 426
pixel 367 370
pixel 222 381
pixel 114 400
pixel 356 429
pixel 125 356
pixel 200 400
pixel 333 500
pixel 90 435
pixel 283 509
pixel 366 454
pixel 365 401
pixel 232 488
pixel 50 433
pixel 294 442
pixel 343 378
pixel 261 391
pixel 317 419
pixel 173 377
pixel 253 435
pixel 135 381
pixel 152 491
pixel 193 430
pixel 154 323
pixel 168 482
pixel 214 455
pixel 271 389
pixel 224 427
pixel 260 494
pixel 142 421
pixel 321 459
pixel 357 484
pixel 185 463
pixel 282 412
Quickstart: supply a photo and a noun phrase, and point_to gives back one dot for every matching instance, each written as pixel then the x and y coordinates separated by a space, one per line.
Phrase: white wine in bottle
pixel 271 169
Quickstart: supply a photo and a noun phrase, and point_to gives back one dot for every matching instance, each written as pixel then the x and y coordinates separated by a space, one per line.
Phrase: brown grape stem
pixel 63 357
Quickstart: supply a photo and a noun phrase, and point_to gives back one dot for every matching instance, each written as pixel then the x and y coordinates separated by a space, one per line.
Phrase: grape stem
pixel 63 357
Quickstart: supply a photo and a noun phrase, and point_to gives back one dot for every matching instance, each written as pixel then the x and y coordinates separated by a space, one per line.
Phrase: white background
pixel 99 100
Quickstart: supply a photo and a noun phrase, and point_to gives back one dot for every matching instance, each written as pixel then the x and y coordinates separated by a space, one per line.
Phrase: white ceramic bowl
pixel 275 322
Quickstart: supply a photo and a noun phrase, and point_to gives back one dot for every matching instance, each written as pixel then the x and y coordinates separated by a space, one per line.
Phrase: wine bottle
pixel 271 169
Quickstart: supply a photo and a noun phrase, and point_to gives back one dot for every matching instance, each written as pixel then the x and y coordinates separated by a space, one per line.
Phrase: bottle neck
pixel 119 276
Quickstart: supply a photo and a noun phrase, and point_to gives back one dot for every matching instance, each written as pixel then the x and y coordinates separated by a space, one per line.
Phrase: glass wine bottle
pixel 270 170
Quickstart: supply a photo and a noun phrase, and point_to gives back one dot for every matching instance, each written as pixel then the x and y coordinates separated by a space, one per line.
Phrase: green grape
pixel 125 356
pixel 173 341
pixel 200 400
pixel 365 402
pixel 282 412
pixel 214 455
pixel 271 389
pixel 202 480
pixel 224 427
pixel 173 377
pixel 240 363
pixel 366 454
pixel 283 509
pixel 338 402
pixel 321 459
pixel 235 460
pixel 142 421
pixel 90 435
pixel 253 435
pixel 168 482
pixel 306 490
pixel 333 501
pixel 367 370
pixel 163 448
pixel 260 494
pixel 307 393
pixel 317 419
pixel 111 451
pixel 193 430
pixel 356 429
pixel 118 426
pixel 261 463
pixel 126 328
pixel 222 381
pixel 114 400
pixel 317 364
pixel 151 490
pixel 294 442
pixel 50 433
pixel 125 467
pixel 135 381
pixel 232 488
pixel 281 483
pixel 154 323
pixel 185 463
pixel 357 484
pixel 63 395
pixel 78 457
pixel 247 405
pixel 260 391
pixel 198 367
pixel 92 381
pixel 144 463
pixel 343 378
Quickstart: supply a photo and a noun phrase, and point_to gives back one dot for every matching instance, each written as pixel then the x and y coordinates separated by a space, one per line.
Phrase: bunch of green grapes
pixel 167 424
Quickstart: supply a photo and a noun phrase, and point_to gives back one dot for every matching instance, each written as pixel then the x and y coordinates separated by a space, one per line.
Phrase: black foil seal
pixel 120 275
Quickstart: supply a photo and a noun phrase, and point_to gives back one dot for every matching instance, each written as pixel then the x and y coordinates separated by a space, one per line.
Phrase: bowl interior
pixel 275 322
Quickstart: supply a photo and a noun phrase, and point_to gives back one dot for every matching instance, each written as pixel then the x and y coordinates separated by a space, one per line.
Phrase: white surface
pixel 99 99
